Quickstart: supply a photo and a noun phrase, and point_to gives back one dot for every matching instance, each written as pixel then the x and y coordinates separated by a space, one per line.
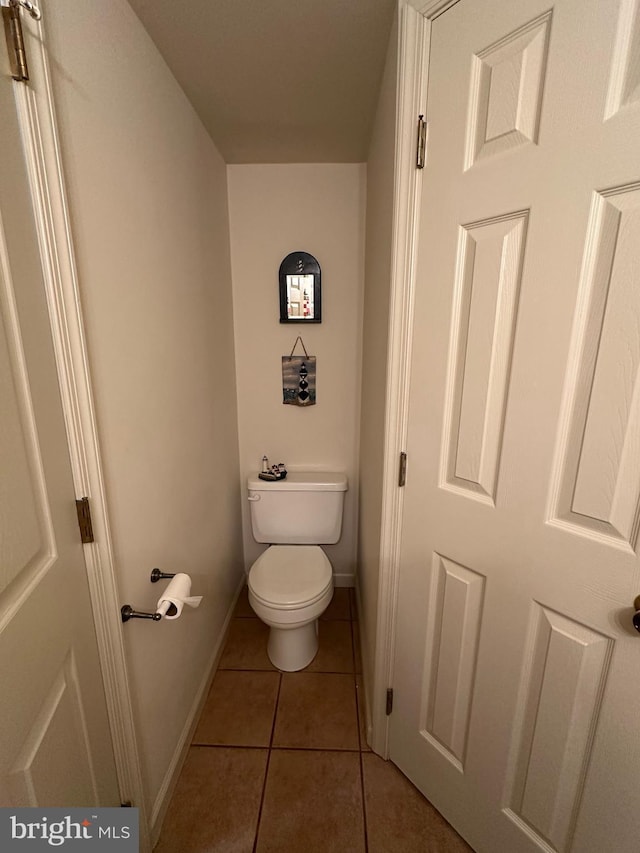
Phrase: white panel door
pixel 517 675
pixel 55 745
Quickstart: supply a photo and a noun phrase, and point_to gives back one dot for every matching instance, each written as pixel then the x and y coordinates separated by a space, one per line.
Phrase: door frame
pixel 415 21
pixel 41 144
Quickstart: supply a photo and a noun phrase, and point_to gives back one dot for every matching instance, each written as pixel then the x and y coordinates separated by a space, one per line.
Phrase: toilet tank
pixel 304 509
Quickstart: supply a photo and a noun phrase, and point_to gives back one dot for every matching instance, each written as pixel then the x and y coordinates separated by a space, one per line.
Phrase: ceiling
pixel 277 81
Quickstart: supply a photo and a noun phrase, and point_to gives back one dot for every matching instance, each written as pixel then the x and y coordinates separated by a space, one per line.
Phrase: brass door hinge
pixel 15 42
pixel 402 469
pixel 421 153
pixel 84 520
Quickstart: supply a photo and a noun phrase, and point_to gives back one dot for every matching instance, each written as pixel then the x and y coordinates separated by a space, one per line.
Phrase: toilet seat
pixel 288 577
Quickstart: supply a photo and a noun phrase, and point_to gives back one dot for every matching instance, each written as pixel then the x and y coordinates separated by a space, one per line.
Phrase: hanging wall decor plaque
pixel 300 291
pixel 299 378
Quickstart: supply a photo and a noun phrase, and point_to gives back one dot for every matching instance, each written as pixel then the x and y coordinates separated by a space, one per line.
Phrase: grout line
pixel 231 746
pixel 335 749
pixel 275 748
pixel 266 770
pixel 355 687
pixel 275 713
pixel 305 671
pixel 364 806
pixel 353 647
pixel 313 749
pixel 364 801
pixel 241 669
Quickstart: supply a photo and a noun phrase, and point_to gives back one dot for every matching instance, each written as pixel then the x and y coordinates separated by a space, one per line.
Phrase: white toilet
pixel 291 583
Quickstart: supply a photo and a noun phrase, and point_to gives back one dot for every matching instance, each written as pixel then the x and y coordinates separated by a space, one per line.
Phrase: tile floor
pixel 279 760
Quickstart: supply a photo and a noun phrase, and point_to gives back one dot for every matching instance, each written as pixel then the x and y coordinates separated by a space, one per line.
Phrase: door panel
pixel 56 747
pixel 55 744
pixel 506 93
pixel 486 298
pixel 27 543
pixel 600 453
pixel 516 682
pixel 456 595
pixel 555 720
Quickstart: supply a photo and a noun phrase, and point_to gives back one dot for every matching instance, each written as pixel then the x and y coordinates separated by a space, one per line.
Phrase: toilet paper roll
pixel 175 596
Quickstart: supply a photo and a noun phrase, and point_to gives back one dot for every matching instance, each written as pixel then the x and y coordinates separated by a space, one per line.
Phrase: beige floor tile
pixel 335 651
pixel 316 711
pixel 216 803
pixel 399 818
pixel 339 607
pixel 239 710
pixel 312 803
pixel 246 646
pixel 243 609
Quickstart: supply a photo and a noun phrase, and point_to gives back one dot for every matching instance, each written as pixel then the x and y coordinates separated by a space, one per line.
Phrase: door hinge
pixel 15 42
pixel 84 520
pixel 402 469
pixel 422 143
pixel 389 700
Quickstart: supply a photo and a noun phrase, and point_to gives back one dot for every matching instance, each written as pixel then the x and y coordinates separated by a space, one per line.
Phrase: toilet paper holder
pixel 157 575
pixel 127 612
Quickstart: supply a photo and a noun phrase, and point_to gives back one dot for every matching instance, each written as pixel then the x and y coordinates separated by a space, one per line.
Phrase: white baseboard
pixel 366 686
pixel 170 780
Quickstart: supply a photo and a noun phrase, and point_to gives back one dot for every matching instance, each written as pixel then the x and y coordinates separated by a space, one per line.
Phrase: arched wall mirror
pixel 300 291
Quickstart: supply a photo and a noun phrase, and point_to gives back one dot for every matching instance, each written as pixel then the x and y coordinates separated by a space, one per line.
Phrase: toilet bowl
pixel 290 586
pixel 291 583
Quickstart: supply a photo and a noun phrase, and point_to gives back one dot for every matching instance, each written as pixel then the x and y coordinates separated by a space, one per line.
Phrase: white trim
pixel 344 579
pixel 416 18
pixel 366 697
pixel 430 9
pixel 411 102
pixel 42 151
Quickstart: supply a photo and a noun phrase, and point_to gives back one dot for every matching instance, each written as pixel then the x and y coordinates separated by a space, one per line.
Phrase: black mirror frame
pixel 300 263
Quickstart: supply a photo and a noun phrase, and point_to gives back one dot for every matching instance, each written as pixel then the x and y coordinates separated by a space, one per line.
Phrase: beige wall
pixel 380 193
pixel 275 210
pixel 148 198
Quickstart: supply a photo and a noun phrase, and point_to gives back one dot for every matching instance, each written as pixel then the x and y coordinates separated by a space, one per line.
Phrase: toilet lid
pixel 290 575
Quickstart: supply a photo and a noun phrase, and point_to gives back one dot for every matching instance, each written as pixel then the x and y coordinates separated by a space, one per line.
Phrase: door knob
pixel 636 615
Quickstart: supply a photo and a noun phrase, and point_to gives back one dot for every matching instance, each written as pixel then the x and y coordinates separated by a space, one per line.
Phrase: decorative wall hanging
pixel 300 291
pixel 299 377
